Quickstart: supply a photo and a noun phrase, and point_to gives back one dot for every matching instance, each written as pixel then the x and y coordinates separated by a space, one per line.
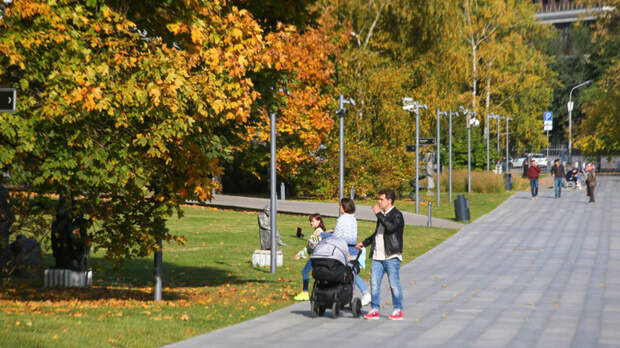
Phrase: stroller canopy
pixel 334 248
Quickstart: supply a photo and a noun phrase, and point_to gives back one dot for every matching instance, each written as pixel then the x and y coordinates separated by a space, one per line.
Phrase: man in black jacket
pixel 386 253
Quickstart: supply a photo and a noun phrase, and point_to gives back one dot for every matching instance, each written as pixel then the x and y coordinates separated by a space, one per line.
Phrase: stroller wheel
pixel 356 307
pixel 314 309
pixel 335 310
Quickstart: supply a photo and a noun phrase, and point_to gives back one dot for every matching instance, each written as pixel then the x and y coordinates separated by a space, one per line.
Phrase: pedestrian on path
pixel 386 253
pixel 557 172
pixel 346 228
pixel 316 221
pixel 532 173
pixel 591 181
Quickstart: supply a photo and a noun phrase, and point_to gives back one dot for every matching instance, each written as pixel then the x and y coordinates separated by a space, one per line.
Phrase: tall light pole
pixel 341 111
pixel 570 111
pixel 410 105
pixel 468 118
pixel 450 154
pixel 507 133
pixel 273 194
pixel 487 135
pixel 498 118
pixel 274 197
pixel 439 113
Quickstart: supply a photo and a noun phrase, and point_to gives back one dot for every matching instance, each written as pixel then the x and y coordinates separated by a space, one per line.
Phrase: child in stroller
pixel 571 178
pixel 334 276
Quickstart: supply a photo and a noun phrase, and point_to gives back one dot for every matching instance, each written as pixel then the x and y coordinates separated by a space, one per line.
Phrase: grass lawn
pixel 208 284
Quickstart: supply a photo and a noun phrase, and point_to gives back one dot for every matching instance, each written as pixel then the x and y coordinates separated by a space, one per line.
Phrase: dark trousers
pixel 591 193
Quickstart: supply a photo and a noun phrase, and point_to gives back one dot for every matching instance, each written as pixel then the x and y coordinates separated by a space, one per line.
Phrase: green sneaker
pixel 302 296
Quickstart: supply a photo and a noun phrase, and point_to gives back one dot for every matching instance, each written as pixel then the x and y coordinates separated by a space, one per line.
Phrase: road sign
pixel 423 141
pixel 8 98
pixel 548 120
pixel 427 141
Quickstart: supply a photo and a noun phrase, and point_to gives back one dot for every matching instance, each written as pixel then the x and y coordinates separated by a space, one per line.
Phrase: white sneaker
pixel 366 299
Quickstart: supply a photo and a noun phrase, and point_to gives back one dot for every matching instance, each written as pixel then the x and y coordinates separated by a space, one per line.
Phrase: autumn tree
pixel 599 134
pixel 124 122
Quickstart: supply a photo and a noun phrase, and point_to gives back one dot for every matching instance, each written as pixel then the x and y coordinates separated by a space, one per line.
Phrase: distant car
pixel 541 160
pixel 516 162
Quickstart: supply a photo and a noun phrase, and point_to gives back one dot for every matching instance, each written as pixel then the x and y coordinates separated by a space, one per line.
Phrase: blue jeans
pixel 557 185
pixel 378 269
pixel 534 187
pixel 305 272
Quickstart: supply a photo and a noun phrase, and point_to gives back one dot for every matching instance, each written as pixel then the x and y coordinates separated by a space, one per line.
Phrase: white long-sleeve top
pixel 346 228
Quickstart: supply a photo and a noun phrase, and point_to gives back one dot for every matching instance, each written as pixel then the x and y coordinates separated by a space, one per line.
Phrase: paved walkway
pixel 363 212
pixel 532 273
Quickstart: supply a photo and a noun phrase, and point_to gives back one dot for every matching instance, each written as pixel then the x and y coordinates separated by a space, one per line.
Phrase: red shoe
pixel 372 315
pixel 396 315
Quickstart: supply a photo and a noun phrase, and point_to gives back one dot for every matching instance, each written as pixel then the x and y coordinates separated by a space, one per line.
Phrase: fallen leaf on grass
pixel 184 317
pixel 17 323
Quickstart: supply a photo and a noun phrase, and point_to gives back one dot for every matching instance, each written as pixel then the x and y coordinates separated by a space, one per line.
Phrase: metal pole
pixel 570 111
pixel 158 271
pixel 417 151
pixel 507 119
pixel 498 123
pixel 468 154
pixel 438 155
pixel 486 131
pixel 547 144
pixel 341 154
pixel 274 197
pixel 570 135
pixel 282 192
pixel 429 222
pixel 450 156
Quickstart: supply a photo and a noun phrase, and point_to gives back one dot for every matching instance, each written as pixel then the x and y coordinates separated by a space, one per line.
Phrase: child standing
pixel 316 221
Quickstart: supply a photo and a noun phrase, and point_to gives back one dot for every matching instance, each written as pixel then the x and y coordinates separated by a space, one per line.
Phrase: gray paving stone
pixel 531 273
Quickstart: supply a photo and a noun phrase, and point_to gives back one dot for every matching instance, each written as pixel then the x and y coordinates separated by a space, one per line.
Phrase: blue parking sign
pixel 548 116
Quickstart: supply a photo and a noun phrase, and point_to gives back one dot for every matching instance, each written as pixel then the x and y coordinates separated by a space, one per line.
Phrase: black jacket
pixel 393 224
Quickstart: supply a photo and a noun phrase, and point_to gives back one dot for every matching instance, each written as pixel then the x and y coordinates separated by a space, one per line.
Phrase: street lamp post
pixel 570 111
pixel 341 111
pixel 507 133
pixel 410 105
pixel 487 135
pixel 450 154
pixel 498 118
pixel 439 113
pixel 468 114
pixel 274 197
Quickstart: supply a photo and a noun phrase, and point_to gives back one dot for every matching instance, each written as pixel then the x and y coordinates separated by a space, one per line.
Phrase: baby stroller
pixel 333 278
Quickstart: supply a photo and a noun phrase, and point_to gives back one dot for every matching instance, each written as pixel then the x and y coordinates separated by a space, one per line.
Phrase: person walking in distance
pixel 386 253
pixel 557 172
pixel 590 181
pixel 532 173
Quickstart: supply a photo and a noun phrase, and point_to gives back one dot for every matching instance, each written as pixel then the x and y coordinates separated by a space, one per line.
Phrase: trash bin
pixel 461 208
pixel 508 181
